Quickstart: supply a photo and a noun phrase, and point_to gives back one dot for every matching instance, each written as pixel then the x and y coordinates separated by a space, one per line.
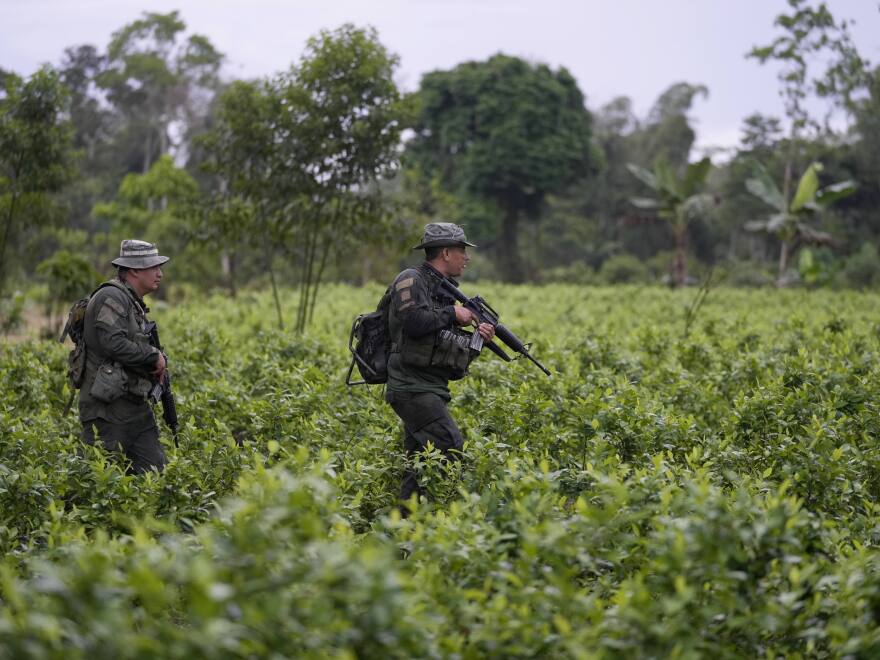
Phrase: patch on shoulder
pixel 405 283
pixel 111 310
pixel 405 295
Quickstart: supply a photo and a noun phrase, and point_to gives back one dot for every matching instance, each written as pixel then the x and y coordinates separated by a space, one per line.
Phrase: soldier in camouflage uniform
pixel 429 347
pixel 121 365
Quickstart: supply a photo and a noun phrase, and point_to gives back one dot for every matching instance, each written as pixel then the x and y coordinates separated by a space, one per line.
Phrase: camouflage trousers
pixel 138 439
pixel 425 418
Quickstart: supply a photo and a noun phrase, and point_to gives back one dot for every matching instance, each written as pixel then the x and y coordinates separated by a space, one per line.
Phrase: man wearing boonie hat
pixel 429 347
pixel 121 365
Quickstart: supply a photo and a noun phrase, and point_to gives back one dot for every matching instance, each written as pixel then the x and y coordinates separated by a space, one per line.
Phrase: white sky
pixel 634 48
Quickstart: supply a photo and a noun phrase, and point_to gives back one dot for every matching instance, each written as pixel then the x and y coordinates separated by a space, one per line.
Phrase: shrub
pixel 623 269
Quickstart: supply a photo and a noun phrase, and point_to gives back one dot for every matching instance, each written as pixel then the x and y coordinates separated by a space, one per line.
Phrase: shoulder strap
pixel 117 285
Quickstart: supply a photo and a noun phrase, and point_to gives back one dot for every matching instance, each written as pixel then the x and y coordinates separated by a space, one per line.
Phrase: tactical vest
pixel 447 349
pixel 130 382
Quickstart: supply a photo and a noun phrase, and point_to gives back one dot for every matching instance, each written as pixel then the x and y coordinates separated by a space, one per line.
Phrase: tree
pixel 90 119
pixel 299 157
pixel 348 122
pixel 790 223
pixel 155 82
pixel 667 133
pixel 35 153
pixel 160 205
pixel 239 154
pixel 812 37
pixel 678 200
pixel 70 277
pixel 506 131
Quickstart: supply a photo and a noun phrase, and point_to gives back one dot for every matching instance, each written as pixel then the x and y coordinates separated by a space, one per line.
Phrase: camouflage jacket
pixel 115 334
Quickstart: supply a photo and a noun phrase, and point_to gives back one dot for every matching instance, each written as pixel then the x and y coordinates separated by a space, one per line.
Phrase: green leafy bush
pixel 659 496
pixel 623 269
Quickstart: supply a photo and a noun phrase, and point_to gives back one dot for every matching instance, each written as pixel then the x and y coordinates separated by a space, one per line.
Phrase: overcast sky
pixel 635 48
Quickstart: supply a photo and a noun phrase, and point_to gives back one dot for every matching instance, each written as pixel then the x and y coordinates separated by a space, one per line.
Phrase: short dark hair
pixel 433 252
pixel 121 271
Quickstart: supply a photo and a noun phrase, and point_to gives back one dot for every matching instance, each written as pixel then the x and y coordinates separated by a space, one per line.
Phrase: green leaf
pixel 642 175
pixel 695 175
pixel 830 194
pixel 807 188
pixel 666 179
pixel 756 225
pixel 645 202
pixel 763 187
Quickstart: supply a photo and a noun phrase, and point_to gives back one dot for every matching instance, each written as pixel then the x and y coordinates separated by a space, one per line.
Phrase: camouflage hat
pixel 442 234
pixel 138 254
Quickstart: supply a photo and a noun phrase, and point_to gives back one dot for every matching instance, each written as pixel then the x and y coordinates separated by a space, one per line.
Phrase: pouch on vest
pixel 109 383
pixel 138 386
pixel 452 351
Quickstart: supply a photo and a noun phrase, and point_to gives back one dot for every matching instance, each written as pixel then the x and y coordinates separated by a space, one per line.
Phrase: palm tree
pixel 790 222
pixel 678 200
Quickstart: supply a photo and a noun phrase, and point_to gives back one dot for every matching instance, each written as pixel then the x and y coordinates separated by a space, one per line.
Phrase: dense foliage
pixel 658 496
pixel 326 170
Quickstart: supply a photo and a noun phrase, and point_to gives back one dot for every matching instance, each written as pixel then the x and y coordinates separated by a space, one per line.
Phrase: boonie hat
pixel 442 234
pixel 138 254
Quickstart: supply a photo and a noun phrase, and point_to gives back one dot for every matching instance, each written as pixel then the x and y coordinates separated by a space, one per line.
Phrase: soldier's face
pixel 457 260
pixel 145 280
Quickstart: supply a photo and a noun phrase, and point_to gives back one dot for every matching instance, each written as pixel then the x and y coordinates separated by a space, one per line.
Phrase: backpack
pixel 370 345
pixel 75 328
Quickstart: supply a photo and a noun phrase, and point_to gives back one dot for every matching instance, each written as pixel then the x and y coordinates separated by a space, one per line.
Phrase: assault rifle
pixel 161 391
pixel 485 314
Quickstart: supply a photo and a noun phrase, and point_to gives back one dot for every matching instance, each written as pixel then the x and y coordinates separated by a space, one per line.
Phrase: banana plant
pixel 791 221
pixel 678 200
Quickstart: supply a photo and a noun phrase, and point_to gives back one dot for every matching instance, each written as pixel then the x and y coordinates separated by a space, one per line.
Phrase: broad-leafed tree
pixel 503 130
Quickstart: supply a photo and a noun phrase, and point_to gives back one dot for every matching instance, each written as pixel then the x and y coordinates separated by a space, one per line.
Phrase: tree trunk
pixel 509 263
pixel 325 252
pixel 680 268
pixel 148 148
pixel 227 267
pixel 783 262
pixel 7 232
pixel 366 269
pixel 270 268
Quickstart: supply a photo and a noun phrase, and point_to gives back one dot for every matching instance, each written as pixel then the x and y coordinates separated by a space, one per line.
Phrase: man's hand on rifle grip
pixel 487 331
pixel 159 371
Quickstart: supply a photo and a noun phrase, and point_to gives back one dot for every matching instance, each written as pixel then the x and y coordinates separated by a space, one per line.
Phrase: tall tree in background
pixel 503 130
pixel 666 134
pixel 811 38
pixel 158 80
pixel 300 157
pixel 35 153
pixel 679 200
pixel 161 203
pixel 92 121
pixel 241 153
pixel 348 113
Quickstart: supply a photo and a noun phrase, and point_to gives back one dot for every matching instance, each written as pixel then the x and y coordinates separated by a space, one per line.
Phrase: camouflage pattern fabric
pixel 443 234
